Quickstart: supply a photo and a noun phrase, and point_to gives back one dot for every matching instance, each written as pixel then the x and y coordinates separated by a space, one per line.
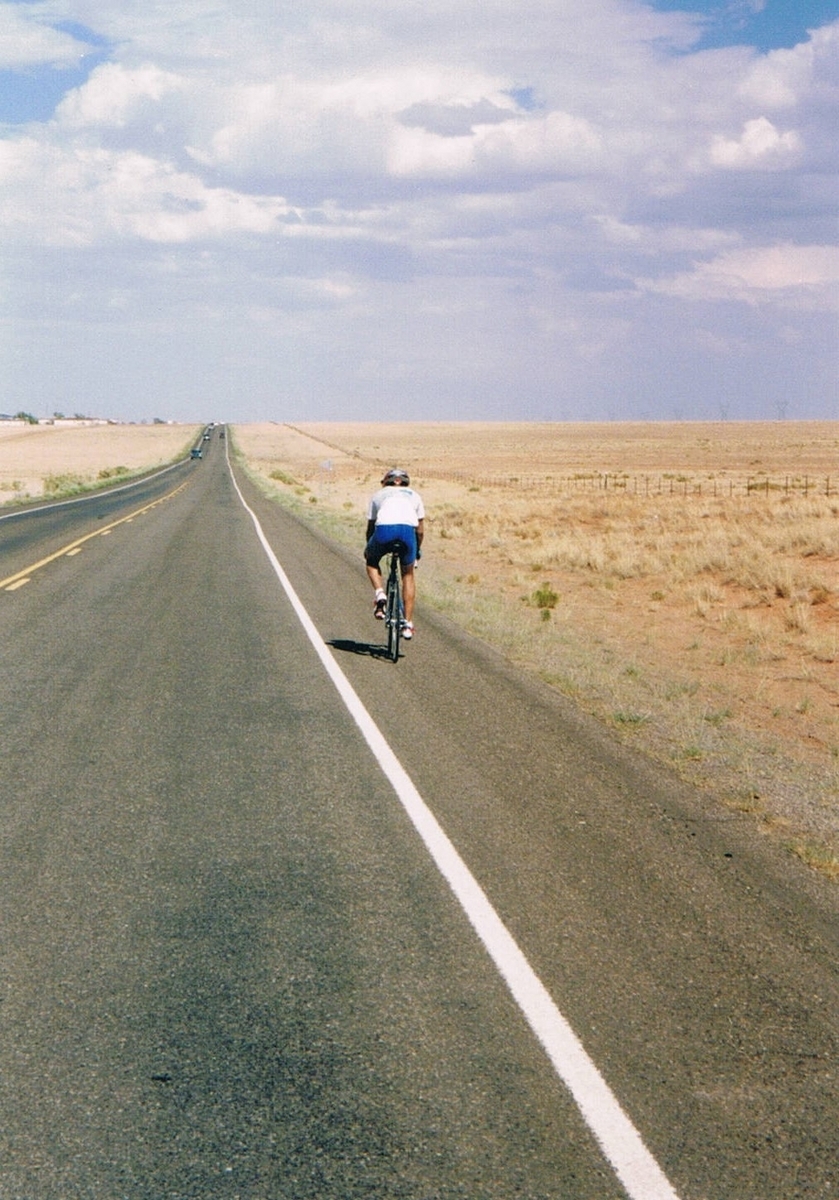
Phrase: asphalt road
pixel 231 968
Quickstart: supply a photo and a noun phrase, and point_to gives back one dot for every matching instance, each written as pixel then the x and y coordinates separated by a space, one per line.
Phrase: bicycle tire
pixel 393 612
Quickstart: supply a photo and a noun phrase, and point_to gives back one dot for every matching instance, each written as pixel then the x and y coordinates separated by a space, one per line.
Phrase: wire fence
pixel 644 485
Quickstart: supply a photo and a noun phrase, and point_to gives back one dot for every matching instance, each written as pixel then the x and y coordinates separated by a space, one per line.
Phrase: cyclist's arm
pixel 420 532
pixel 371 525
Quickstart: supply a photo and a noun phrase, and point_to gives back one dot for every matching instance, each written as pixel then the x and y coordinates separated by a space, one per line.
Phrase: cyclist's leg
pixel 373 554
pixel 375 576
pixel 407 563
pixel 409 591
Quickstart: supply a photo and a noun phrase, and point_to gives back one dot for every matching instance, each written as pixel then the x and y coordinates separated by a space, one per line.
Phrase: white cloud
pixel 105 195
pixel 796 275
pixel 27 41
pixel 552 145
pixel 572 176
pixel 759 145
pixel 672 239
pixel 114 94
pixel 782 79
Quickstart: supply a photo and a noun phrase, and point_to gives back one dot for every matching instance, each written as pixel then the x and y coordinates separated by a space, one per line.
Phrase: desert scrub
pixel 630 720
pixel 283 477
pixel 545 597
pixel 64 485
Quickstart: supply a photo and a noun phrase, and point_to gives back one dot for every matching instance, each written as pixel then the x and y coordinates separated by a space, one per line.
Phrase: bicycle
pixel 394 612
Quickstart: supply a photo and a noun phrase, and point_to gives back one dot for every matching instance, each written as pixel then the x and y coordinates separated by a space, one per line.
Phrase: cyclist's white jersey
pixel 396 506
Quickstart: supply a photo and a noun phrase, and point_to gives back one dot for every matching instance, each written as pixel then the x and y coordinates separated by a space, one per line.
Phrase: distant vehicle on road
pixel 195 452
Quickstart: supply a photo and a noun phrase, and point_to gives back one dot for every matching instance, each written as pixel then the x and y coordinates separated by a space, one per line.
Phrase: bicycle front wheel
pixel 393 617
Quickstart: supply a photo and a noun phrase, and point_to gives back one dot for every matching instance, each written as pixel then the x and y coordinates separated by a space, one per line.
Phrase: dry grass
pixel 704 627
pixel 41 460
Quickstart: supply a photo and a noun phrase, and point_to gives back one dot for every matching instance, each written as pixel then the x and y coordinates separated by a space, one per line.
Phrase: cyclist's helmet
pixel 395 476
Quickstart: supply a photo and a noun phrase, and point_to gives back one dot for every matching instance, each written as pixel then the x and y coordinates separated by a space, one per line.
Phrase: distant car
pixel 206 437
pixel 195 452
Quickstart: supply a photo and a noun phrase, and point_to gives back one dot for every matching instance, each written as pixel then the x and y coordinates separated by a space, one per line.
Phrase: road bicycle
pixel 394 612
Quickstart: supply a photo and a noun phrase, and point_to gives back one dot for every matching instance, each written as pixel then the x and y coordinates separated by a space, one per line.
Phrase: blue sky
pixel 235 210
pixel 764 24
pixel 32 91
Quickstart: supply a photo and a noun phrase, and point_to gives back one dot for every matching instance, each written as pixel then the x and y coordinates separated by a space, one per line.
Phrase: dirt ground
pixel 34 456
pixel 678 580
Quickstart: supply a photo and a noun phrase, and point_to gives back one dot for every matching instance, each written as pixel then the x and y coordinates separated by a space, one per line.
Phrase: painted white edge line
pixel 619 1140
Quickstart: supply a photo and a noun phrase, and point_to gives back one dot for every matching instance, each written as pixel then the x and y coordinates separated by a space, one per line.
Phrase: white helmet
pixel 395 476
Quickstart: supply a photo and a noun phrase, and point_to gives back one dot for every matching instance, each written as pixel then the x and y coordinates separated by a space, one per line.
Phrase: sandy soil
pixel 33 454
pixel 697 617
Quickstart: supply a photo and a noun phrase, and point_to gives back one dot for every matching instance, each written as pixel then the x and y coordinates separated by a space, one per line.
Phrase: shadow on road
pixel 351 647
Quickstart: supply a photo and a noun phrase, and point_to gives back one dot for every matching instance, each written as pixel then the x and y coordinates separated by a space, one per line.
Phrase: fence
pixel 642 485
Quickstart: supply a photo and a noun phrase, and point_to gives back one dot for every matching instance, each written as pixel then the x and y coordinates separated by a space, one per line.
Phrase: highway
pixel 281 919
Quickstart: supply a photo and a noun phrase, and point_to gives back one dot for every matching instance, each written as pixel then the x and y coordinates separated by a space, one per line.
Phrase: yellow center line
pixel 20 577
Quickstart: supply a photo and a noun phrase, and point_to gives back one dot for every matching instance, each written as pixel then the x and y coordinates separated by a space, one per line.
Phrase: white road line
pixel 622 1145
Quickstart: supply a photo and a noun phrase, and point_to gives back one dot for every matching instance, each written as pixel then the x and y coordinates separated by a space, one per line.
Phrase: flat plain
pixel 43 460
pixel 678 580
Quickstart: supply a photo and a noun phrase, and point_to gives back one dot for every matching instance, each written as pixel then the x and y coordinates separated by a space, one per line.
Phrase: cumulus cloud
pixel 107 195
pixel 784 78
pixel 555 173
pixel 114 94
pixel 759 145
pixel 556 144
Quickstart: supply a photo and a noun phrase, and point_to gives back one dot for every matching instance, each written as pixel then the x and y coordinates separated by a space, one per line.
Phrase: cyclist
pixel 395 513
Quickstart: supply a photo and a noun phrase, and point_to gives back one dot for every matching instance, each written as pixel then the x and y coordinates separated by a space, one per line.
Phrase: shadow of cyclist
pixel 367 649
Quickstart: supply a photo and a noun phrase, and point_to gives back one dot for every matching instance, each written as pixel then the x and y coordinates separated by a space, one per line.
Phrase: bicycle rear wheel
pixel 393 612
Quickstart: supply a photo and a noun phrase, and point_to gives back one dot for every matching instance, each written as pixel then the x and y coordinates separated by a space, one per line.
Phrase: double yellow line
pixel 13 582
